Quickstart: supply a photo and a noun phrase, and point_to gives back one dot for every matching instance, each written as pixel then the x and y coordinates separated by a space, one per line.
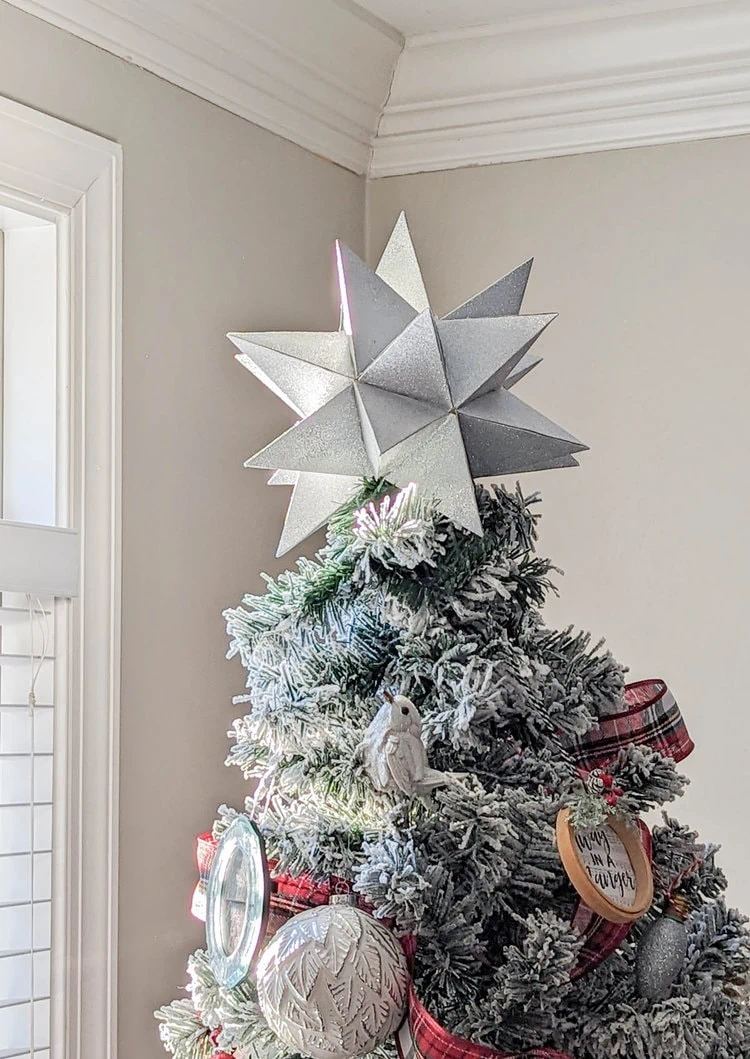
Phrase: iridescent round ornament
pixel 662 951
pixel 332 982
pixel 237 902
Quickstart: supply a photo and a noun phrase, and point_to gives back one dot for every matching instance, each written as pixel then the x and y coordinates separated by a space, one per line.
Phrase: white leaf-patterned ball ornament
pixel 333 982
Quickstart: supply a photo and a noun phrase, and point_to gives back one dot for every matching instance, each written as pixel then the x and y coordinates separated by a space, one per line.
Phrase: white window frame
pixel 74 178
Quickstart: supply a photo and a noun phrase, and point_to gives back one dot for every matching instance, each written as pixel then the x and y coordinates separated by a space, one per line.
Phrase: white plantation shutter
pixel 26 807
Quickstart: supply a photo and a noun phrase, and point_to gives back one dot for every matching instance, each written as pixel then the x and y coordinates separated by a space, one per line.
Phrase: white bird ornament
pixel 394 755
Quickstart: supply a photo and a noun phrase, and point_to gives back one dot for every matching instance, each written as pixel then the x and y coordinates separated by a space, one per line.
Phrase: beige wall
pixel 644 253
pixel 225 227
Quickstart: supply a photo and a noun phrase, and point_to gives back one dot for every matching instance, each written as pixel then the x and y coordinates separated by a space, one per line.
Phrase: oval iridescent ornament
pixel 237 902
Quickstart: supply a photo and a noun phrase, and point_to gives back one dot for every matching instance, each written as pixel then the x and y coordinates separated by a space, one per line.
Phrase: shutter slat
pixel 24 1053
pixel 13 617
pixel 17 1003
pixel 26 755
pixel 22 660
pixel 24 903
pixel 7 954
pixel 23 853
pixel 23 805
pixel 11 706
pixel 41 560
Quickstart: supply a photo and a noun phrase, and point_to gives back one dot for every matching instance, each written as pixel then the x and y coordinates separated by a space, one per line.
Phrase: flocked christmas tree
pixel 416 734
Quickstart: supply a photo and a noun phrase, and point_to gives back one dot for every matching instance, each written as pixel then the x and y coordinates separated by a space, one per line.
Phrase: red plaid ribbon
pixel 205 850
pixel 652 718
pixel 422 1037
pixel 602 938
pixel 291 894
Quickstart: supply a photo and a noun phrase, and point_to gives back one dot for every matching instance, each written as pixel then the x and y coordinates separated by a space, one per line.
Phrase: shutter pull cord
pixel 38 620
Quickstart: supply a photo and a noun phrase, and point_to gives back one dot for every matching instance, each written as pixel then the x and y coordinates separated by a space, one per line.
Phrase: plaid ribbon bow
pixel 651 718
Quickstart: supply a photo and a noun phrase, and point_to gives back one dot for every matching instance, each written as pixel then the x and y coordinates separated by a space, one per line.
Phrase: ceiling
pixel 429 16
pixel 385 87
pixel 412 17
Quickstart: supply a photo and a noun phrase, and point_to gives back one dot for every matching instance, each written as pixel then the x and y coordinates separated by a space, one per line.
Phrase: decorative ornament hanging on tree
pixel 601 784
pixel 333 982
pixel 662 951
pixel 237 902
pixel 595 799
pixel 393 752
pixel 401 395
pixel 608 866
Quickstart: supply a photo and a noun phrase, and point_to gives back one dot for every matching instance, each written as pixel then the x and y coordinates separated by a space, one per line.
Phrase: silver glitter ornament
pixel 662 951
pixel 332 982
pixel 397 394
pixel 393 752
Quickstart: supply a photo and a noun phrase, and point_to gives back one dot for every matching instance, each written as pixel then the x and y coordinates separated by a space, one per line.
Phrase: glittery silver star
pixel 398 394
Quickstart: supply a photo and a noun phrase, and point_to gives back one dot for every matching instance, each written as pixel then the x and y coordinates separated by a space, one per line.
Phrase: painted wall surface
pixel 226 227
pixel 644 253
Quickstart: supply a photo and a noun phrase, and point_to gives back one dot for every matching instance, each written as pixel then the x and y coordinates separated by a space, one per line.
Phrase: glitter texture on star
pixel 398 394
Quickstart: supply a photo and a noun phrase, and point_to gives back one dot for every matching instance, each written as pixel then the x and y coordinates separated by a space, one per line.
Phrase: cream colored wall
pixel 644 253
pixel 225 227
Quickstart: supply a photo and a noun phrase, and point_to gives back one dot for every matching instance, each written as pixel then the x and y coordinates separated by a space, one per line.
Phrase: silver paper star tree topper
pixel 398 394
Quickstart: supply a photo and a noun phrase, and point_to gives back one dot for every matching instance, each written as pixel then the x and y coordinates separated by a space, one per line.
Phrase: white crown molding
pixel 334 79
pixel 632 76
pixel 315 73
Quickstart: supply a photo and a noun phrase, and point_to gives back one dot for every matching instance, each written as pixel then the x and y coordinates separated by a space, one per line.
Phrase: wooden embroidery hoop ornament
pixel 590 894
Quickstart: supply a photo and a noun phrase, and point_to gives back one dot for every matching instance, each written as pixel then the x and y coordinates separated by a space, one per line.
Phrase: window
pixel 59 587
pixel 29 493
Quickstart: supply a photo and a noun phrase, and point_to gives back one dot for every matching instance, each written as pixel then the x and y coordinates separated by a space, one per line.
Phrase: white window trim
pixel 75 178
